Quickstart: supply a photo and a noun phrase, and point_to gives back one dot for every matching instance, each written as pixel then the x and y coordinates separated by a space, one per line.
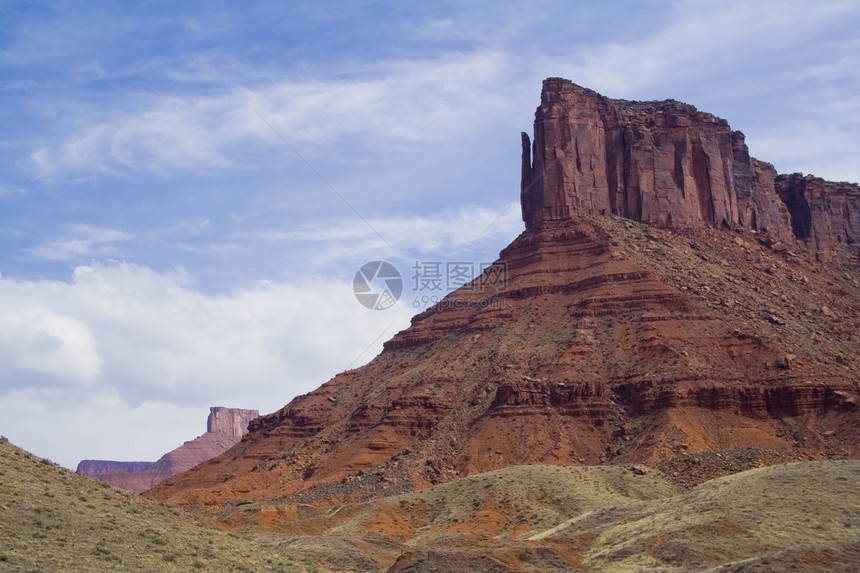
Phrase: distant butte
pixel 224 428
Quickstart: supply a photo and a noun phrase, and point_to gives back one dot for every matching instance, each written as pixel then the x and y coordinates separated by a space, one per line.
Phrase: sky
pixel 188 189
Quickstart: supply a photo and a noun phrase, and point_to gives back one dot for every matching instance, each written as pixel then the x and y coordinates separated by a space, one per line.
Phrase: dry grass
pixel 52 519
pixel 767 515
pixel 791 517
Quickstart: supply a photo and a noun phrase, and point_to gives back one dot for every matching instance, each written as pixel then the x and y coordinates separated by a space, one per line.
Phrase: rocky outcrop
pixel 232 423
pixel 224 428
pixel 667 164
pixel 824 213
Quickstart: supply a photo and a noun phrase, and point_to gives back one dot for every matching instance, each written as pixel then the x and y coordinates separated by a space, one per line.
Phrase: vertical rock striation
pixel 230 422
pixel 669 165
pixel 824 213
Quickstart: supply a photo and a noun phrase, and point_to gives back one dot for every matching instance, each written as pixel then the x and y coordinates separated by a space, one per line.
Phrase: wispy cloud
pixel 83 240
pixel 690 47
pixel 452 233
pixel 10 191
pixel 397 102
pixel 822 148
pixel 394 102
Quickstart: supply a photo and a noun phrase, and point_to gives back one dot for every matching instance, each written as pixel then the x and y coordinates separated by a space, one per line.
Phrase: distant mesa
pixel 102 467
pixel 224 429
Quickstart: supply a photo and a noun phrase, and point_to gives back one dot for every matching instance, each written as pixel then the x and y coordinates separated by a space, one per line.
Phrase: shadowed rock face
pixel 670 165
pixel 824 213
pixel 224 428
pixel 592 338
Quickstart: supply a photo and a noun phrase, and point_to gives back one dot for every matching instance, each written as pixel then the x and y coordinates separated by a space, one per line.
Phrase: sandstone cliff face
pixel 224 428
pixel 232 423
pixel 824 213
pixel 670 165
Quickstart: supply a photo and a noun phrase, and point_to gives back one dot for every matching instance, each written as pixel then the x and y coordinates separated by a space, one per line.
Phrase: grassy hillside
pixel 789 517
pixel 52 519
pixel 803 516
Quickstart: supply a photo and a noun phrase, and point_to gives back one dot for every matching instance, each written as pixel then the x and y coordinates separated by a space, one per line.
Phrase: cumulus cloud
pixel 41 346
pixel 132 336
pixel 142 343
pixel 153 337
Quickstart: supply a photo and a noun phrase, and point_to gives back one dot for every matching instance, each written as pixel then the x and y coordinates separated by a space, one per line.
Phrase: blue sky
pixel 189 188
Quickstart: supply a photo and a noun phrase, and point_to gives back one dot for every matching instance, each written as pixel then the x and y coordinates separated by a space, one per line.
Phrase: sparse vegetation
pixel 45 526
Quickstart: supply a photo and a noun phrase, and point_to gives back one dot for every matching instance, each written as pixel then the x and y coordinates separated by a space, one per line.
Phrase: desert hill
pixel 651 344
pixel 796 516
pixel 659 303
pixel 52 519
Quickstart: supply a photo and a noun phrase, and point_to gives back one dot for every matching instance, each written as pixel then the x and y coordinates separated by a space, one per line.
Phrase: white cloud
pixel 142 344
pixel 702 39
pixel 174 134
pixel 452 232
pixel 67 427
pixel 132 336
pixel 822 148
pixel 396 101
pixel 11 191
pixel 40 346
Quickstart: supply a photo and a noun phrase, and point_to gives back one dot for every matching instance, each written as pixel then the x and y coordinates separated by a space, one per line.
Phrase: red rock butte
pixel 224 428
pixel 669 165
pixel 669 295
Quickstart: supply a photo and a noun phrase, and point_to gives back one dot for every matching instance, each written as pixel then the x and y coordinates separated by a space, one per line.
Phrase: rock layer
pixel 608 341
pixel 98 467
